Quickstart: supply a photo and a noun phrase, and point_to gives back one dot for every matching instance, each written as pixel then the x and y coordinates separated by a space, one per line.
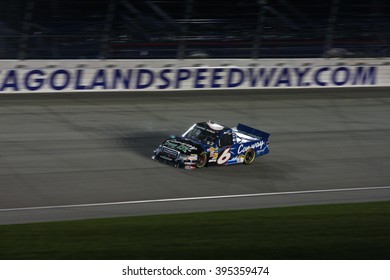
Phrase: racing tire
pixel 249 156
pixel 202 160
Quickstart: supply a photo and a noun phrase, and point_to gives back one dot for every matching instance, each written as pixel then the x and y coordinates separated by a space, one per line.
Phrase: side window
pixel 226 140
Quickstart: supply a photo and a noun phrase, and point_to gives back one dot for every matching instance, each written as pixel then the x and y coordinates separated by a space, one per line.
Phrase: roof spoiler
pixel 252 131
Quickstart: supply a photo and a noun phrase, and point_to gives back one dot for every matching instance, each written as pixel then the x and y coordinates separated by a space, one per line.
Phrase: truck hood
pixel 183 145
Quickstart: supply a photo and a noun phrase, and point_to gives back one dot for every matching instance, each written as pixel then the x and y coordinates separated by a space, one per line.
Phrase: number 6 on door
pixel 225 156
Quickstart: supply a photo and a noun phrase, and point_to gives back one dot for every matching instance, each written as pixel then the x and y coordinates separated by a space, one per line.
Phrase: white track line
pixel 194 198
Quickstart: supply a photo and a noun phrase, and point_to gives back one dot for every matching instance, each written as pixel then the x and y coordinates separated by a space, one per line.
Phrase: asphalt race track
pixel 77 156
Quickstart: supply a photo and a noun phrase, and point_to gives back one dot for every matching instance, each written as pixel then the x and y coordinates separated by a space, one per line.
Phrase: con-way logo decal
pixel 14 80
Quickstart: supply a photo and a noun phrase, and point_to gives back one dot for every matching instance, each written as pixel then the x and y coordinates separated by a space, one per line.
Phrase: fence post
pixel 331 25
pixel 184 29
pixel 259 28
pixel 105 46
pixel 26 24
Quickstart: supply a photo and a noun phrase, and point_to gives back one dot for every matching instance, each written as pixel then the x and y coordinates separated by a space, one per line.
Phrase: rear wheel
pixel 202 160
pixel 249 156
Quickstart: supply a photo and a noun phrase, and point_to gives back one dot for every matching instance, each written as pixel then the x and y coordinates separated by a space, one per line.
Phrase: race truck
pixel 209 143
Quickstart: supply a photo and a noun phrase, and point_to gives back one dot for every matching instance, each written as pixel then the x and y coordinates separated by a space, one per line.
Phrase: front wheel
pixel 202 160
pixel 249 156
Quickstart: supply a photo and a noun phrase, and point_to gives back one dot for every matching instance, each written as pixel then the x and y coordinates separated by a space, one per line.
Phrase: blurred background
pixel 150 29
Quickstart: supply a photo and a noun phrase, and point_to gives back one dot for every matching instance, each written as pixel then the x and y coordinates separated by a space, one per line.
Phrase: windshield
pixel 203 135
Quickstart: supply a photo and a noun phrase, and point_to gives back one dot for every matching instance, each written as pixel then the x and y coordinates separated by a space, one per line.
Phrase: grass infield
pixel 343 231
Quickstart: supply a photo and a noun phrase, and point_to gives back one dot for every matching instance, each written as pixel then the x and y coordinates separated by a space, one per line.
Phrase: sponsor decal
pixel 15 80
pixel 192 157
pixel 243 148
pixel 170 144
pixel 211 150
pixel 238 159
pixel 184 147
